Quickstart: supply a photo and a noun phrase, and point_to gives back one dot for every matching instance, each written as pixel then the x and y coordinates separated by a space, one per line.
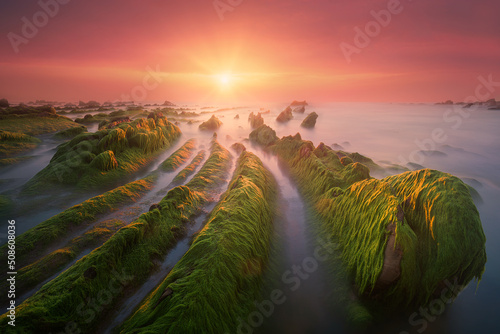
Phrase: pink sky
pixel 270 50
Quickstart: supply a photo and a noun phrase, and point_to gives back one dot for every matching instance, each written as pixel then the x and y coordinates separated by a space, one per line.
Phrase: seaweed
pixel 80 296
pixel 86 161
pixel 33 242
pixel 189 169
pixel 179 157
pixel 219 277
pixel 211 125
pixel 399 238
pixel 12 143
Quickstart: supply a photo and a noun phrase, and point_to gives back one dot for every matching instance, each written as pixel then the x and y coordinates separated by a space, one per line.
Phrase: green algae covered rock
pixel 310 120
pixel 255 120
pixel 218 280
pixel 100 159
pixel 285 115
pixel 105 161
pixel 211 125
pixel 400 239
pixel 263 135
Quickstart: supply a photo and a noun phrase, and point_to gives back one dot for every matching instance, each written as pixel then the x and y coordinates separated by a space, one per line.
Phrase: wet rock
pixel 299 110
pixel 156 114
pixel 263 135
pixel 168 104
pixel 211 125
pixel 310 120
pixel 393 254
pixel 4 103
pixel 90 273
pixel 154 207
pixel 238 147
pixel 255 120
pixel 237 116
pixel 299 103
pixel 337 147
pixel 285 115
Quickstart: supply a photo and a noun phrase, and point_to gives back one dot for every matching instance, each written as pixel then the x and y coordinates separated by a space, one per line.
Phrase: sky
pixel 205 51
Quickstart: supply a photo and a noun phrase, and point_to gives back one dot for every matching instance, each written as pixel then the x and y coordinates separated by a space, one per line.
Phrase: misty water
pixel 463 142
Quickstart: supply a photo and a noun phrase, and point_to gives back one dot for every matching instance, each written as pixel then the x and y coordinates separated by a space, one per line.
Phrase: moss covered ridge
pixel 400 238
pixel 33 242
pixel 80 296
pixel 219 277
pixel 179 157
pixel 101 159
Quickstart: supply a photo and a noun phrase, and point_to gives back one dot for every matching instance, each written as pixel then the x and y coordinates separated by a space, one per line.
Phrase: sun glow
pixel 225 80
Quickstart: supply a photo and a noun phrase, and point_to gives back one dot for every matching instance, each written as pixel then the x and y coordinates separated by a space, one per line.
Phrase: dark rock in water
pixel 263 135
pixel 237 116
pixel 212 124
pixel 4 103
pixel 285 115
pixel 310 120
pixel 154 207
pixel 414 166
pixel 433 153
pixel 337 147
pixel 346 144
pixel 298 103
pixel 168 104
pixel 90 273
pixel 238 147
pixel 345 160
pixel 299 110
pixel 255 120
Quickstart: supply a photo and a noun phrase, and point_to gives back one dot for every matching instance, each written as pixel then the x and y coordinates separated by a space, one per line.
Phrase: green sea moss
pixel 38 271
pixel 310 120
pixel 12 143
pixel 133 145
pixel 263 135
pixel 71 132
pixel 124 261
pixel 33 242
pixel 211 125
pixel 179 157
pixel 218 279
pixel 104 161
pixel 431 214
pixel 451 243
pixel 189 169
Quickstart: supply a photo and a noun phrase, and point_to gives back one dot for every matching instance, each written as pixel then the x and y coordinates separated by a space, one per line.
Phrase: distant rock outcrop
pixel 285 115
pixel 298 103
pixel 299 110
pixel 255 120
pixel 264 136
pixel 168 104
pixel 212 124
pixel 4 103
pixel 310 120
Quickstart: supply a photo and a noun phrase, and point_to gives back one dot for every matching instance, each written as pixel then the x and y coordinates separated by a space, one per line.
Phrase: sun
pixel 225 80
